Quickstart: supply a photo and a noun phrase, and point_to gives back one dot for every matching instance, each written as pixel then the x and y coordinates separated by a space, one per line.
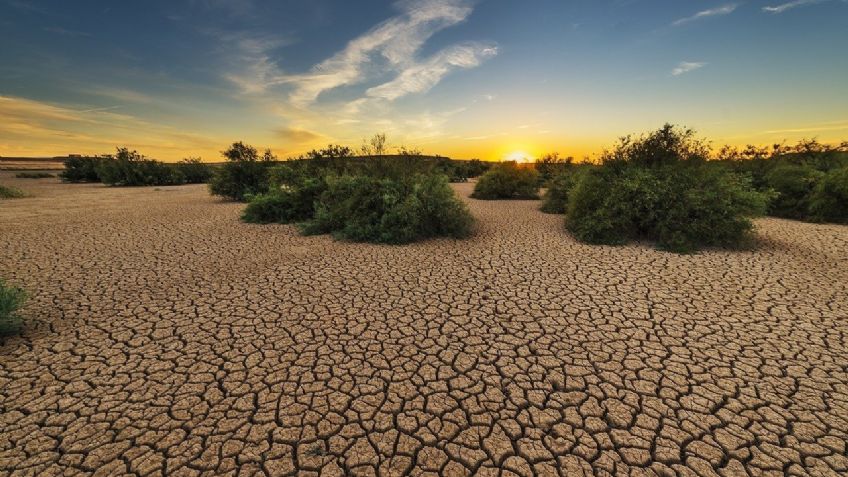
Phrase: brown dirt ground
pixel 169 338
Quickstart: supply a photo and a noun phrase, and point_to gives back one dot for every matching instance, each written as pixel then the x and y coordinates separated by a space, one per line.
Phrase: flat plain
pixel 167 337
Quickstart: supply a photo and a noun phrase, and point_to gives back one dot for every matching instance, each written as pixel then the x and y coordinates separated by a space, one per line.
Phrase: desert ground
pixel 166 337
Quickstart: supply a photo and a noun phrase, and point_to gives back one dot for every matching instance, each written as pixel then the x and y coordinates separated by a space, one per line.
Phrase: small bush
pixel 385 210
pixel 11 299
pixel 295 203
pixel 81 169
pixel 193 171
pixel 244 174
pixel 829 200
pixel 555 200
pixel 507 180
pixel 7 192
pixel 34 175
pixel 659 188
pixel 794 185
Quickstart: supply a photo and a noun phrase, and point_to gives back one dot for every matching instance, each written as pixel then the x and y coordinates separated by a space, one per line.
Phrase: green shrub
pixel 794 185
pixel 550 166
pixel 193 171
pixel 294 203
pixel 658 188
pixel 129 168
pixel 244 174
pixel 7 192
pixel 829 200
pixel 11 299
pixel 33 175
pixel 555 200
pixel 507 180
pixel 385 210
pixel 81 169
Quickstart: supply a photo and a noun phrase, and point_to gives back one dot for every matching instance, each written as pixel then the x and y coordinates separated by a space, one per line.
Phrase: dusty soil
pixel 168 338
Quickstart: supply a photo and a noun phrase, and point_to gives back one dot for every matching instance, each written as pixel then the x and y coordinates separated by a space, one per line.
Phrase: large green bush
pixel 659 188
pixel 11 299
pixel 385 210
pixel 129 168
pixel 7 192
pixel 81 169
pixel 244 175
pixel 507 180
pixel 794 185
pixel 829 200
pixel 555 200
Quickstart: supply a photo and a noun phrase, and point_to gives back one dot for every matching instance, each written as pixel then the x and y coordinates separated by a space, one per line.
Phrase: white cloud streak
pixel 713 12
pixel 420 77
pixel 687 67
pixel 390 47
pixel 789 6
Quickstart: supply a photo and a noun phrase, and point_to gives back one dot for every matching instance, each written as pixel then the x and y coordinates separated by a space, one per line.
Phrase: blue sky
pixel 463 78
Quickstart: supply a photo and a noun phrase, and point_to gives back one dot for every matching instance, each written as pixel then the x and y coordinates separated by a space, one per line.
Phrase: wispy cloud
pixel 712 12
pixel 789 6
pixel 420 77
pixel 391 47
pixel 687 67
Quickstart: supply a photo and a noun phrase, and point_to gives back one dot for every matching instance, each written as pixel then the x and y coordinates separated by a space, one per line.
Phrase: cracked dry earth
pixel 168 338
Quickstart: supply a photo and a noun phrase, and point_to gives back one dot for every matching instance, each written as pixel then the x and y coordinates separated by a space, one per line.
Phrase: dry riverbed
pixel 166 337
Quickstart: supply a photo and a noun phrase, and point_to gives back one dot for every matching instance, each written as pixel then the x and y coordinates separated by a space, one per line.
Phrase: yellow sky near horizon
pixel 39 129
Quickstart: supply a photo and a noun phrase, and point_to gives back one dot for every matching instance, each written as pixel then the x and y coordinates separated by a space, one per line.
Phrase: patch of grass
pixel 34 175
pixel 7 192
pixel 507 180
pixel 11 300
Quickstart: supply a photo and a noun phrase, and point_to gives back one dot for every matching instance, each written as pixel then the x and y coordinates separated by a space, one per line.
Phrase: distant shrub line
pixel 129 168
pixel 33 175
pixel 809 180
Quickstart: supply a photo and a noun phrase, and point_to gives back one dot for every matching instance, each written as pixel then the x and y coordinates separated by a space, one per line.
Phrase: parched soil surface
pixel 166 337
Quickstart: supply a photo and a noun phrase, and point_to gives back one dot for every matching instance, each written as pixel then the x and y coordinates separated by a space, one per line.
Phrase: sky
pixel 462 78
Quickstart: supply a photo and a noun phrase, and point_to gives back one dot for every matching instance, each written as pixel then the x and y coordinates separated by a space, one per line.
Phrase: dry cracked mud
pixel 169 338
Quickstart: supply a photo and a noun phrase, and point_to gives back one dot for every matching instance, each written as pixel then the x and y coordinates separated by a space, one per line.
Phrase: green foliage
pixel 794 185
pixel 507 180
pixel 193 171
pixel 129 168
pixel 550 166
pixel 829 200
pixel 7 192
pixel 286 204
pixel 244 174
pixel 11 299
pixel 555 200
pixel 386 210
pixel 34 175
pixel 81 169
pixel 793 172
pixel 658 188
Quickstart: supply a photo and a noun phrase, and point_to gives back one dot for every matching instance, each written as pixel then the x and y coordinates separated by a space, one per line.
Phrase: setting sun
pixel 519 156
